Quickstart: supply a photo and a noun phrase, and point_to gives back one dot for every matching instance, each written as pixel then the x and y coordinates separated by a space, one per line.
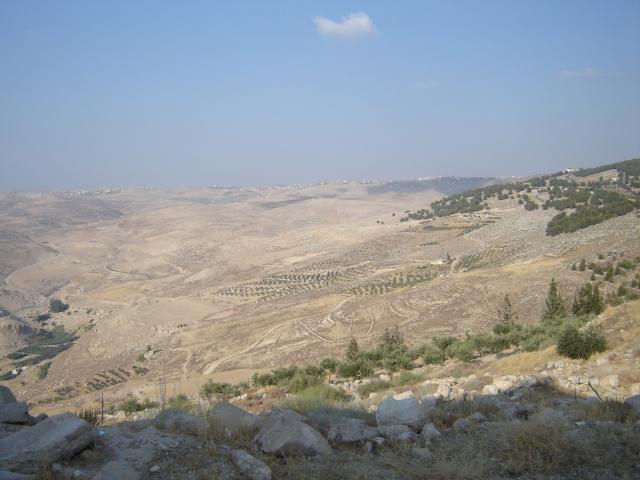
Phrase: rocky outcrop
pixel 54 439
pixel 6 396
pixel 15 413
pixel 350 430
pixel 233 419
pixel 250 467
pixel 285 435
pixel 177 421
pixel 402 411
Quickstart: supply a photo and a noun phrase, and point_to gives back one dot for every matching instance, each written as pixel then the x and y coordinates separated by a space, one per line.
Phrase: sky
pixel 195 93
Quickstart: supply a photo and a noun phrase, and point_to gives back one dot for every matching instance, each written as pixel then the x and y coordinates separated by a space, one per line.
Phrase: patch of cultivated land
pixel 176 287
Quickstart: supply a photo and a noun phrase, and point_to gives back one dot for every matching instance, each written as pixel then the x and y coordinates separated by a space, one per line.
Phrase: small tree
pixel 554 304
pixel 57 306
pixel 507 317
pixel 574 343
pixel 353 350
pixel 588 300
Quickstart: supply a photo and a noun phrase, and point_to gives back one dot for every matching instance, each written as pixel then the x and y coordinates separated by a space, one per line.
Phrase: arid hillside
pixel 168 289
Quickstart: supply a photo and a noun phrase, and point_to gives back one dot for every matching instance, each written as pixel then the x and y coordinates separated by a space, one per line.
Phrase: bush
pixel 461 350
pixel 433 356
pixel 43 370
pixel 443 343
pixel 300 381
pixel 574 343
pixel 373 386
pixel 356 369
pixel 57 306
pixel 329 364
pixel 395 361
pixel 181 402
pixel 212 388
pixel 131 405
pixel 314 398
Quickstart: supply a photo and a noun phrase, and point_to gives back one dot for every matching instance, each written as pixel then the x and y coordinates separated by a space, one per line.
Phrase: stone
pixel 404 395
pixel 250 467
pixel 613 380
pixel 634 389
pixel 284 435
pixel 421 453
pixel 429 432
pixel 443 391
pixel 406 411
pixel 429 401
pixel 634 402
pixel 177 421
pixel 384 378
pixel 350 430
pixel 234 419
pixel 462 424
pixel 54 439
pixel 406 437
pixel 15 412
pixel 490 389
pixel 154 469
pixel 37 419
pixel 6 396
pixel 116 470
pixel 390 432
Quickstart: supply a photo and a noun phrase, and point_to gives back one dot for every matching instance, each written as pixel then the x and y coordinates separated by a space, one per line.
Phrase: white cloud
pixel 588 72
pixel 355 25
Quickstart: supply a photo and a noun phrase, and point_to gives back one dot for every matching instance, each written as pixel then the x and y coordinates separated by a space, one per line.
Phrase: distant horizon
pixel 174 94
pixel 319 182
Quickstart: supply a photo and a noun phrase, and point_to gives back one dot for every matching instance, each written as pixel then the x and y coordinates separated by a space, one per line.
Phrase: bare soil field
pixel 177 287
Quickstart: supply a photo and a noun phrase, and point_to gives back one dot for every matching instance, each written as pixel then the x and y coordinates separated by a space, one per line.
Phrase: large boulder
pixel 16 412
pixel 250 467
pixel 634 402
pixel 178 421
pixel 285 435
pixel 6 396
pixel 405 411
pixel 234 419
pixel 350 430
pixel 54 439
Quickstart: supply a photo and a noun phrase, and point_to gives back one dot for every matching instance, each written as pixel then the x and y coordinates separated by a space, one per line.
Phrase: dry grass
pixel 538 446
pixel 609 410
pixel 523 363
pixel 446 414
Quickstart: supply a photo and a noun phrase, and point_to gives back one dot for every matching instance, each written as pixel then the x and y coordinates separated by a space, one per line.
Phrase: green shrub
pixel 131 405
pixel 329 364
pixel 43 370
pixel 299 382
pixel 373 386
pixel 574 343
pixel 461 350
pixel 314 398
pixel 433 356
pixel 212 388
pixel 395 361
pixel 356 369
pixel 444 342
pixel 57 306
pixel 181 402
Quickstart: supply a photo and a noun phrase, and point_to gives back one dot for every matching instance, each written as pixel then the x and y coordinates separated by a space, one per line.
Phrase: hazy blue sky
pixel 184 93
